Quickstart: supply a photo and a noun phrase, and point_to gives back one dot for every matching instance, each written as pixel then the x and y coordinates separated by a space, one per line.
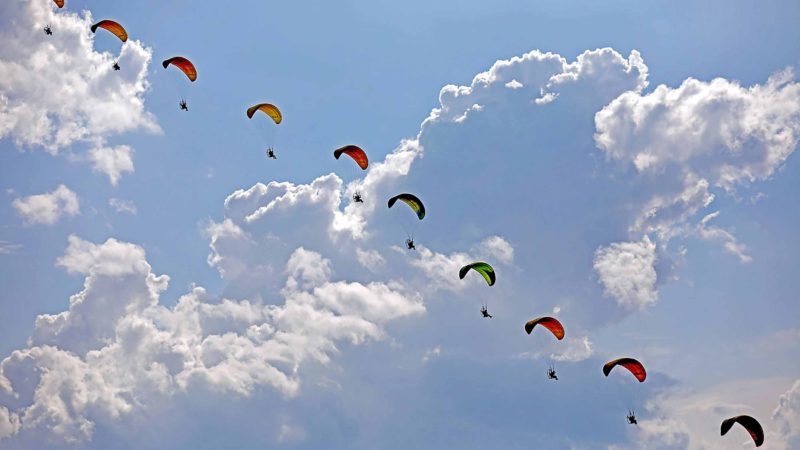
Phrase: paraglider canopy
pixel 112 27
pixel 355 152
pixel 750 424
pixel 267 108
pixel 482 268
pixel 59 3
pixel 550 323
pixel 634 366
pixel 183 64
pixel 412 201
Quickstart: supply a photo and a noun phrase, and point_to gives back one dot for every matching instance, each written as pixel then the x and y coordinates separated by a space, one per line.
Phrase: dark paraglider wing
pixel 112 27
pixel 749 423
pixel 550 323
pixel 412 201
pixel 482 268
pixel 634 366
pixel 183 64
pixel 355 152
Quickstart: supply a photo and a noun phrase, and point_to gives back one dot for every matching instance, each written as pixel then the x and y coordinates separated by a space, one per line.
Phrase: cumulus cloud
pixel 787 414
pixel 690 419
pixel 47 208
pixel 117 349
pixel 57 91
pixel 627 272
pixel 697 137
pixel 112 161
pixel 442 269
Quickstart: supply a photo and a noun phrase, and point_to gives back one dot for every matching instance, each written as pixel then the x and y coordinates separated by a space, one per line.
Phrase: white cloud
pixel 442 270
pixel 690 419
pixel 576 350
pixel 627 272
pixel 122 206
pixel 112 161
pixel 715 130
pixel 514 84
pixel 433 353
pixel 56 91
pixel 787 414
pixel 117 349
pixel 697 137
pixel 370 259
pixel 496 248
pixel 9 248
pixel 49 207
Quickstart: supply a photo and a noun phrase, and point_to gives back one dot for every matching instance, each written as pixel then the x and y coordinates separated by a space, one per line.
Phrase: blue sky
pixel 626 167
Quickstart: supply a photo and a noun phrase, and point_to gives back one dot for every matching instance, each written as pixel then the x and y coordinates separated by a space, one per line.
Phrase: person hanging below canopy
pixel 632 418
pixel 115 66
pixel 183 105
pixel 357 197
pixel 271 153
pixel 410 244
pixel 551 373
pixel 485 312
pixel 48 31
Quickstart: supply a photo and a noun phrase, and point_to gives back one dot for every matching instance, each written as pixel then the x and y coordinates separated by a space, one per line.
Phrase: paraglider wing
pixel 358 155
pixel 267 108
pixel 183 64
pixel 482 268
pixel 634 366
pixel 750 424
pixel 59 3
pixel 112 27
pixel 412 201
pixel 550 323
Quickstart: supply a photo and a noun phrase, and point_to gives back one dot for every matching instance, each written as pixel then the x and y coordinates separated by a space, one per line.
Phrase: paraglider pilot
pixel 357 197
pixel 116 65
pixel 48 31
pixel 271 153
pixel 485 312
pixel 410 244
pixel 183 105
pixel 551 373
pixel 632 418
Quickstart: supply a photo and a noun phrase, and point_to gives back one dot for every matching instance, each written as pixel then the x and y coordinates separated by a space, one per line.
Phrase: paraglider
pixel 550 323
pixel 273 113
pixel 750 424
pixel 357 197
pixel 487 272
pixel 417 207
pixel 632 418
pixel 47 30
pixel 188 69
pixel 355 152
pixel 412 201
pixel 482 268
pixel 269 109
pixel 112 27
pixel 115 66
pixel 634 366
pixel 551 373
